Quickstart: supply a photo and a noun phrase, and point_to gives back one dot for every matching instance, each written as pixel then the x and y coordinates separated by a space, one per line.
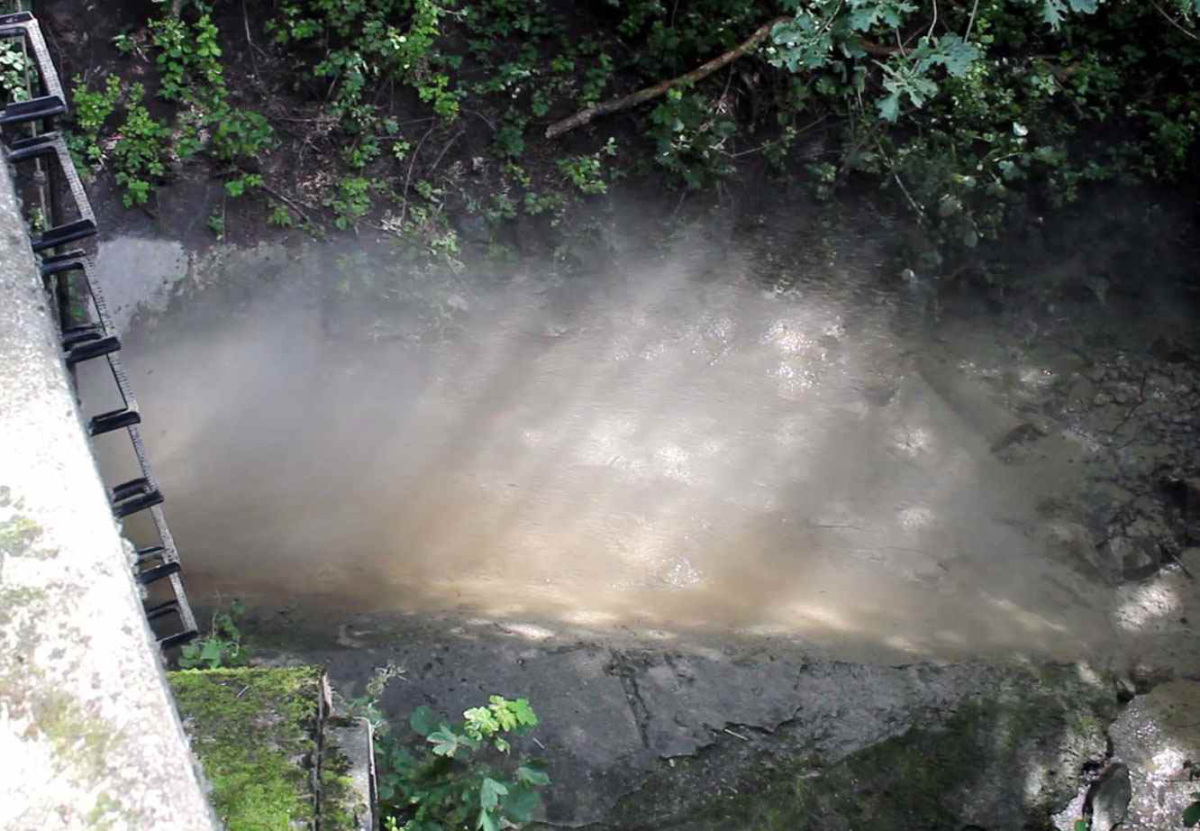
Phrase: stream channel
pixel 524 479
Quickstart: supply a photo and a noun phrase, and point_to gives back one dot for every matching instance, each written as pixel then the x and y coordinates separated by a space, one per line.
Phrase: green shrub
pixel 463 775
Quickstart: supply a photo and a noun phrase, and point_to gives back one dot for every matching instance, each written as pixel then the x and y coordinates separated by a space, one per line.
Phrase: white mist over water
pixel 657 447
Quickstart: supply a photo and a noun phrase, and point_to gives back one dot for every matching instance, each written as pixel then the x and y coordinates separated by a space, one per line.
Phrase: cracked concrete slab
pixel 613 710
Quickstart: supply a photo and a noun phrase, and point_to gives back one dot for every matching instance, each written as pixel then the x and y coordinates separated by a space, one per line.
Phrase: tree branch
pixel 613 105
pixel 877 50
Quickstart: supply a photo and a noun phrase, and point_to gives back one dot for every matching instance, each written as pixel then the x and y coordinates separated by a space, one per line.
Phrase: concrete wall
pixel 89 736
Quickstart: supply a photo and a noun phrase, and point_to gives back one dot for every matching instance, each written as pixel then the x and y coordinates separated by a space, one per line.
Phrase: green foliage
pixel 280 216
pixel 14 66
pixel 465 776
pixel 138 154
pixel 587 172
pixel 351 202
pixel 90 113
pixel 216 223
pixel 690 137
pixel 352 45
pixel 191 75
pixel 973 113
pixel 1191 814
pixel 222 646
pixel 241 135
pixel 237 187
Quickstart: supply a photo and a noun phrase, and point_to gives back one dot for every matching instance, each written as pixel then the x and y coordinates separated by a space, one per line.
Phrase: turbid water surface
pixel 665 446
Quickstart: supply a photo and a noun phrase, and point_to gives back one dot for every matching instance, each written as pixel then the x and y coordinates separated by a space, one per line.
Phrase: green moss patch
pixel 337 789
pixel 253 730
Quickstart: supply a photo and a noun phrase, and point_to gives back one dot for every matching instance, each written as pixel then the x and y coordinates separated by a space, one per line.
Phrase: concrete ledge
pixel 276 756
pixel 88 732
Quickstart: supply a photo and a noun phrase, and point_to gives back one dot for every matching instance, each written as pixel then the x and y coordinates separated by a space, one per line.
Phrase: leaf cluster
pixel 464 776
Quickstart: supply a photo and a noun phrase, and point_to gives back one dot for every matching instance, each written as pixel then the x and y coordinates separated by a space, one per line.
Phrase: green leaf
pixel 533 774
pixel 445 741
pixel 487 822
pixel 520 804
pixel 211 651
pixel 490 792
pixel 480 721
pixel 1191 814
pixel 1053 12
pixel 956 54
pixel 889 107
pixel 524 713
pixel 1081 825
pixel 424 721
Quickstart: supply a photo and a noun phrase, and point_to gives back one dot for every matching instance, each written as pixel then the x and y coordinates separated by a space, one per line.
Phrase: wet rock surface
pixel 1158 737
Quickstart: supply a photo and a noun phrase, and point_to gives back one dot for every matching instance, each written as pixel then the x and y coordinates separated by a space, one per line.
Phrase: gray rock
pixel 1110 798
pixel 1157 737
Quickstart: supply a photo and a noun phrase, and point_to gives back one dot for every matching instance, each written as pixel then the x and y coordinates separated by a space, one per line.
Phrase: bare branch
pixel 586 116
pixel 1174 22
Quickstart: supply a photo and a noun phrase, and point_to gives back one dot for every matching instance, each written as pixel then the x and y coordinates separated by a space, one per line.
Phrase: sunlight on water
pixel 647 449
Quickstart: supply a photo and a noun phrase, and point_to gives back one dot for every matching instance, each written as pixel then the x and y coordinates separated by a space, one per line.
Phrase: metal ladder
pixel 91 336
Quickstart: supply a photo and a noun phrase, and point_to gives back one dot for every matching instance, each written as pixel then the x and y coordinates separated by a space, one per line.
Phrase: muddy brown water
pixel 655 449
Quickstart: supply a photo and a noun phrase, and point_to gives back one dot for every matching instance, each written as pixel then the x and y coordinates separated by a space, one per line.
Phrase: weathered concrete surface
pixel 88 732
pixel 670 725
pixel 1158 737
pixel 138 273
pixel 347 795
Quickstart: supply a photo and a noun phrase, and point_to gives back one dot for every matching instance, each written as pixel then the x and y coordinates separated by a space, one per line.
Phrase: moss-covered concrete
pixel 340 800
pixel 255 733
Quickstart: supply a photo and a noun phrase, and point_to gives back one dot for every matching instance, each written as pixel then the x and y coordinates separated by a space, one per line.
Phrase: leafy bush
pixel 90 113
pixel 14 66
pixel 464 775
pixel 222 646
pixel 139 152
pixel 351 202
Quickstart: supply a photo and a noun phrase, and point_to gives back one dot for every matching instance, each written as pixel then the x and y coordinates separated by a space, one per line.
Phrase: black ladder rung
pixel 31 146
pixel 35 109
pixel 150 552
pixel 152 575
pixel 162 609
pixel 134 504
pixel 131 488
pixel 133 496
pixel 53 259
pixel 63 234
pixel 57 265
pixel 178 639
pixel 114 420
pixel 79 334
pixel 92 348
